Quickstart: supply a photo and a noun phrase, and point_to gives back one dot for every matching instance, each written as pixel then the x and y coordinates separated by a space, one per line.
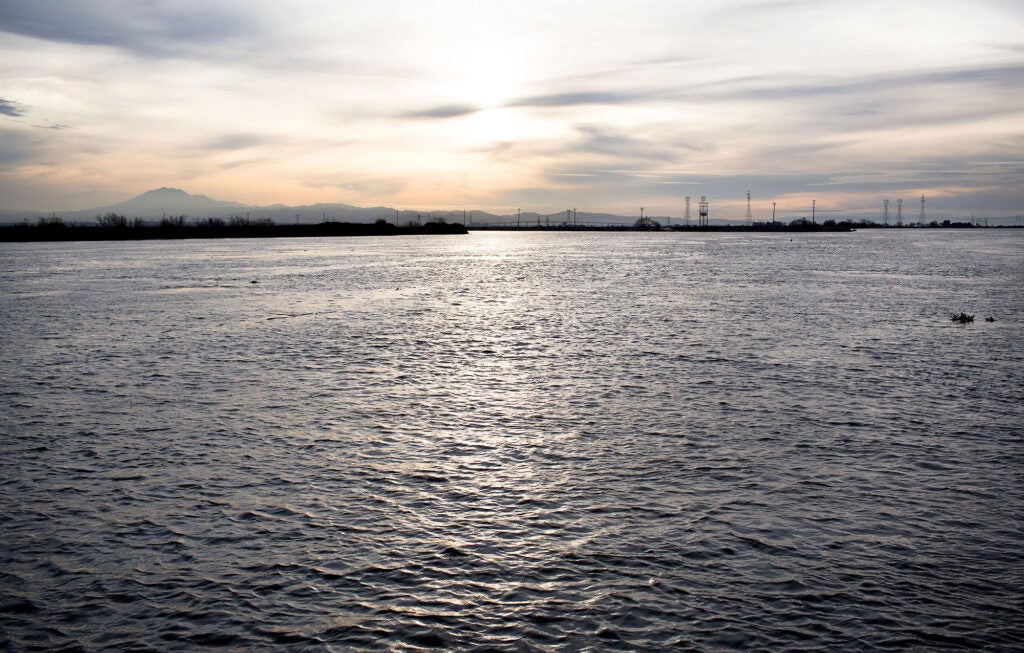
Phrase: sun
pixel 488 79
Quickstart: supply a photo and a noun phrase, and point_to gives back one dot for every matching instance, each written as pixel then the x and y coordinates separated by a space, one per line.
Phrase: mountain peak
pixel 163 192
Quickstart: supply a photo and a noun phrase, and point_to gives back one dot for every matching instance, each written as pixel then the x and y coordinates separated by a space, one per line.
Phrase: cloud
pixel 11 108
pixel 995 77
pixel 442 112
pixel 605 141
pixel 240 141
pixel 1008 47
pixel 363 186
pixel 147 29
pixel 578 98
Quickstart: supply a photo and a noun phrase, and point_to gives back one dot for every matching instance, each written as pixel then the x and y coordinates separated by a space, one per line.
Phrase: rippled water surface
pixel 514 441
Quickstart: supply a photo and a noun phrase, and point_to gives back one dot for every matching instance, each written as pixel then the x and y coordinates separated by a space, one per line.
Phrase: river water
pixel 514 441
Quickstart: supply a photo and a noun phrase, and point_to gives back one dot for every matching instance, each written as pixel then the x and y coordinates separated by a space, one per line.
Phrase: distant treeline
pixel 647 224
pixel 118 227
pixel 803 224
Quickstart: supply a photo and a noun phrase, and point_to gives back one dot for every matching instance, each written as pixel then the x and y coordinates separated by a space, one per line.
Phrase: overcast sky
pixel 538 105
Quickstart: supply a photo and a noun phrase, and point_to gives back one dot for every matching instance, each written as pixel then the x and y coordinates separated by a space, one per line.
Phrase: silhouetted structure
pixel 176 228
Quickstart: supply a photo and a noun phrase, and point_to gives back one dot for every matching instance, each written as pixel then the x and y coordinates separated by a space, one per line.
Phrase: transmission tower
pixel 885 212
pixel 687 210
pixel 702 215
pixel 749 216
pixel 899 213
pixel 920 219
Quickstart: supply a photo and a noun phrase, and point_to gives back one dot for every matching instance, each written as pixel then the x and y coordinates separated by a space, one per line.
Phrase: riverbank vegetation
pixel 118 227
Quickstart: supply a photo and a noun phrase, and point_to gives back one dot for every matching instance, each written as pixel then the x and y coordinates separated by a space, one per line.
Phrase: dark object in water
pixel 963 318
pixel 990 319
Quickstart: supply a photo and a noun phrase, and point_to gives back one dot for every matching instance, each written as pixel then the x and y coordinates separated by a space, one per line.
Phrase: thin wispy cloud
pixel 238 141
pixel 578 98
pixel 442 112
pixel 995 77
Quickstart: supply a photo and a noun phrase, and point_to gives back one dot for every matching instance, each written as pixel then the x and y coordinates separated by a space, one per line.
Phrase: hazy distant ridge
pixel 160 202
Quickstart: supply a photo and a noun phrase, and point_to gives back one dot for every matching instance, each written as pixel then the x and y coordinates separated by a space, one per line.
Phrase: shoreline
pixel 60 232
pixel 56 231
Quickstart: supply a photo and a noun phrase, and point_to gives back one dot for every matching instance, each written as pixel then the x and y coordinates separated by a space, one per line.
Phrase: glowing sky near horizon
pixel 602 106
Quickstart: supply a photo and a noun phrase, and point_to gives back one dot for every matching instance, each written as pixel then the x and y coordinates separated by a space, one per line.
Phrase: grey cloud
pixel 578 98
pixel 936 173
pixel 11 108
pixel 443 111
pixel 898 101
pixel 145 28
pixel 235 142
pixel 382 186
pixel 597 140
pixel 1002 76
pixel 593 146
pixel 775 7
pixel 667 60
pixel 1009 47
pixel 761 88
pixel 241 163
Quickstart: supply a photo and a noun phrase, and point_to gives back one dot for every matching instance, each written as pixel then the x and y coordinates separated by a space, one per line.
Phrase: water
pixel 514 441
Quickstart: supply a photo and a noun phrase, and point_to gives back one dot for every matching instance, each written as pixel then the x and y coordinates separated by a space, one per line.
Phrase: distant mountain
pixel 172 200
pixel 160 202
pixel 154 204
pixel 157 203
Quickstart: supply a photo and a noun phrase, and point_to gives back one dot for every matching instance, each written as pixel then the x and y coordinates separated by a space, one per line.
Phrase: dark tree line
pixel 112 226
